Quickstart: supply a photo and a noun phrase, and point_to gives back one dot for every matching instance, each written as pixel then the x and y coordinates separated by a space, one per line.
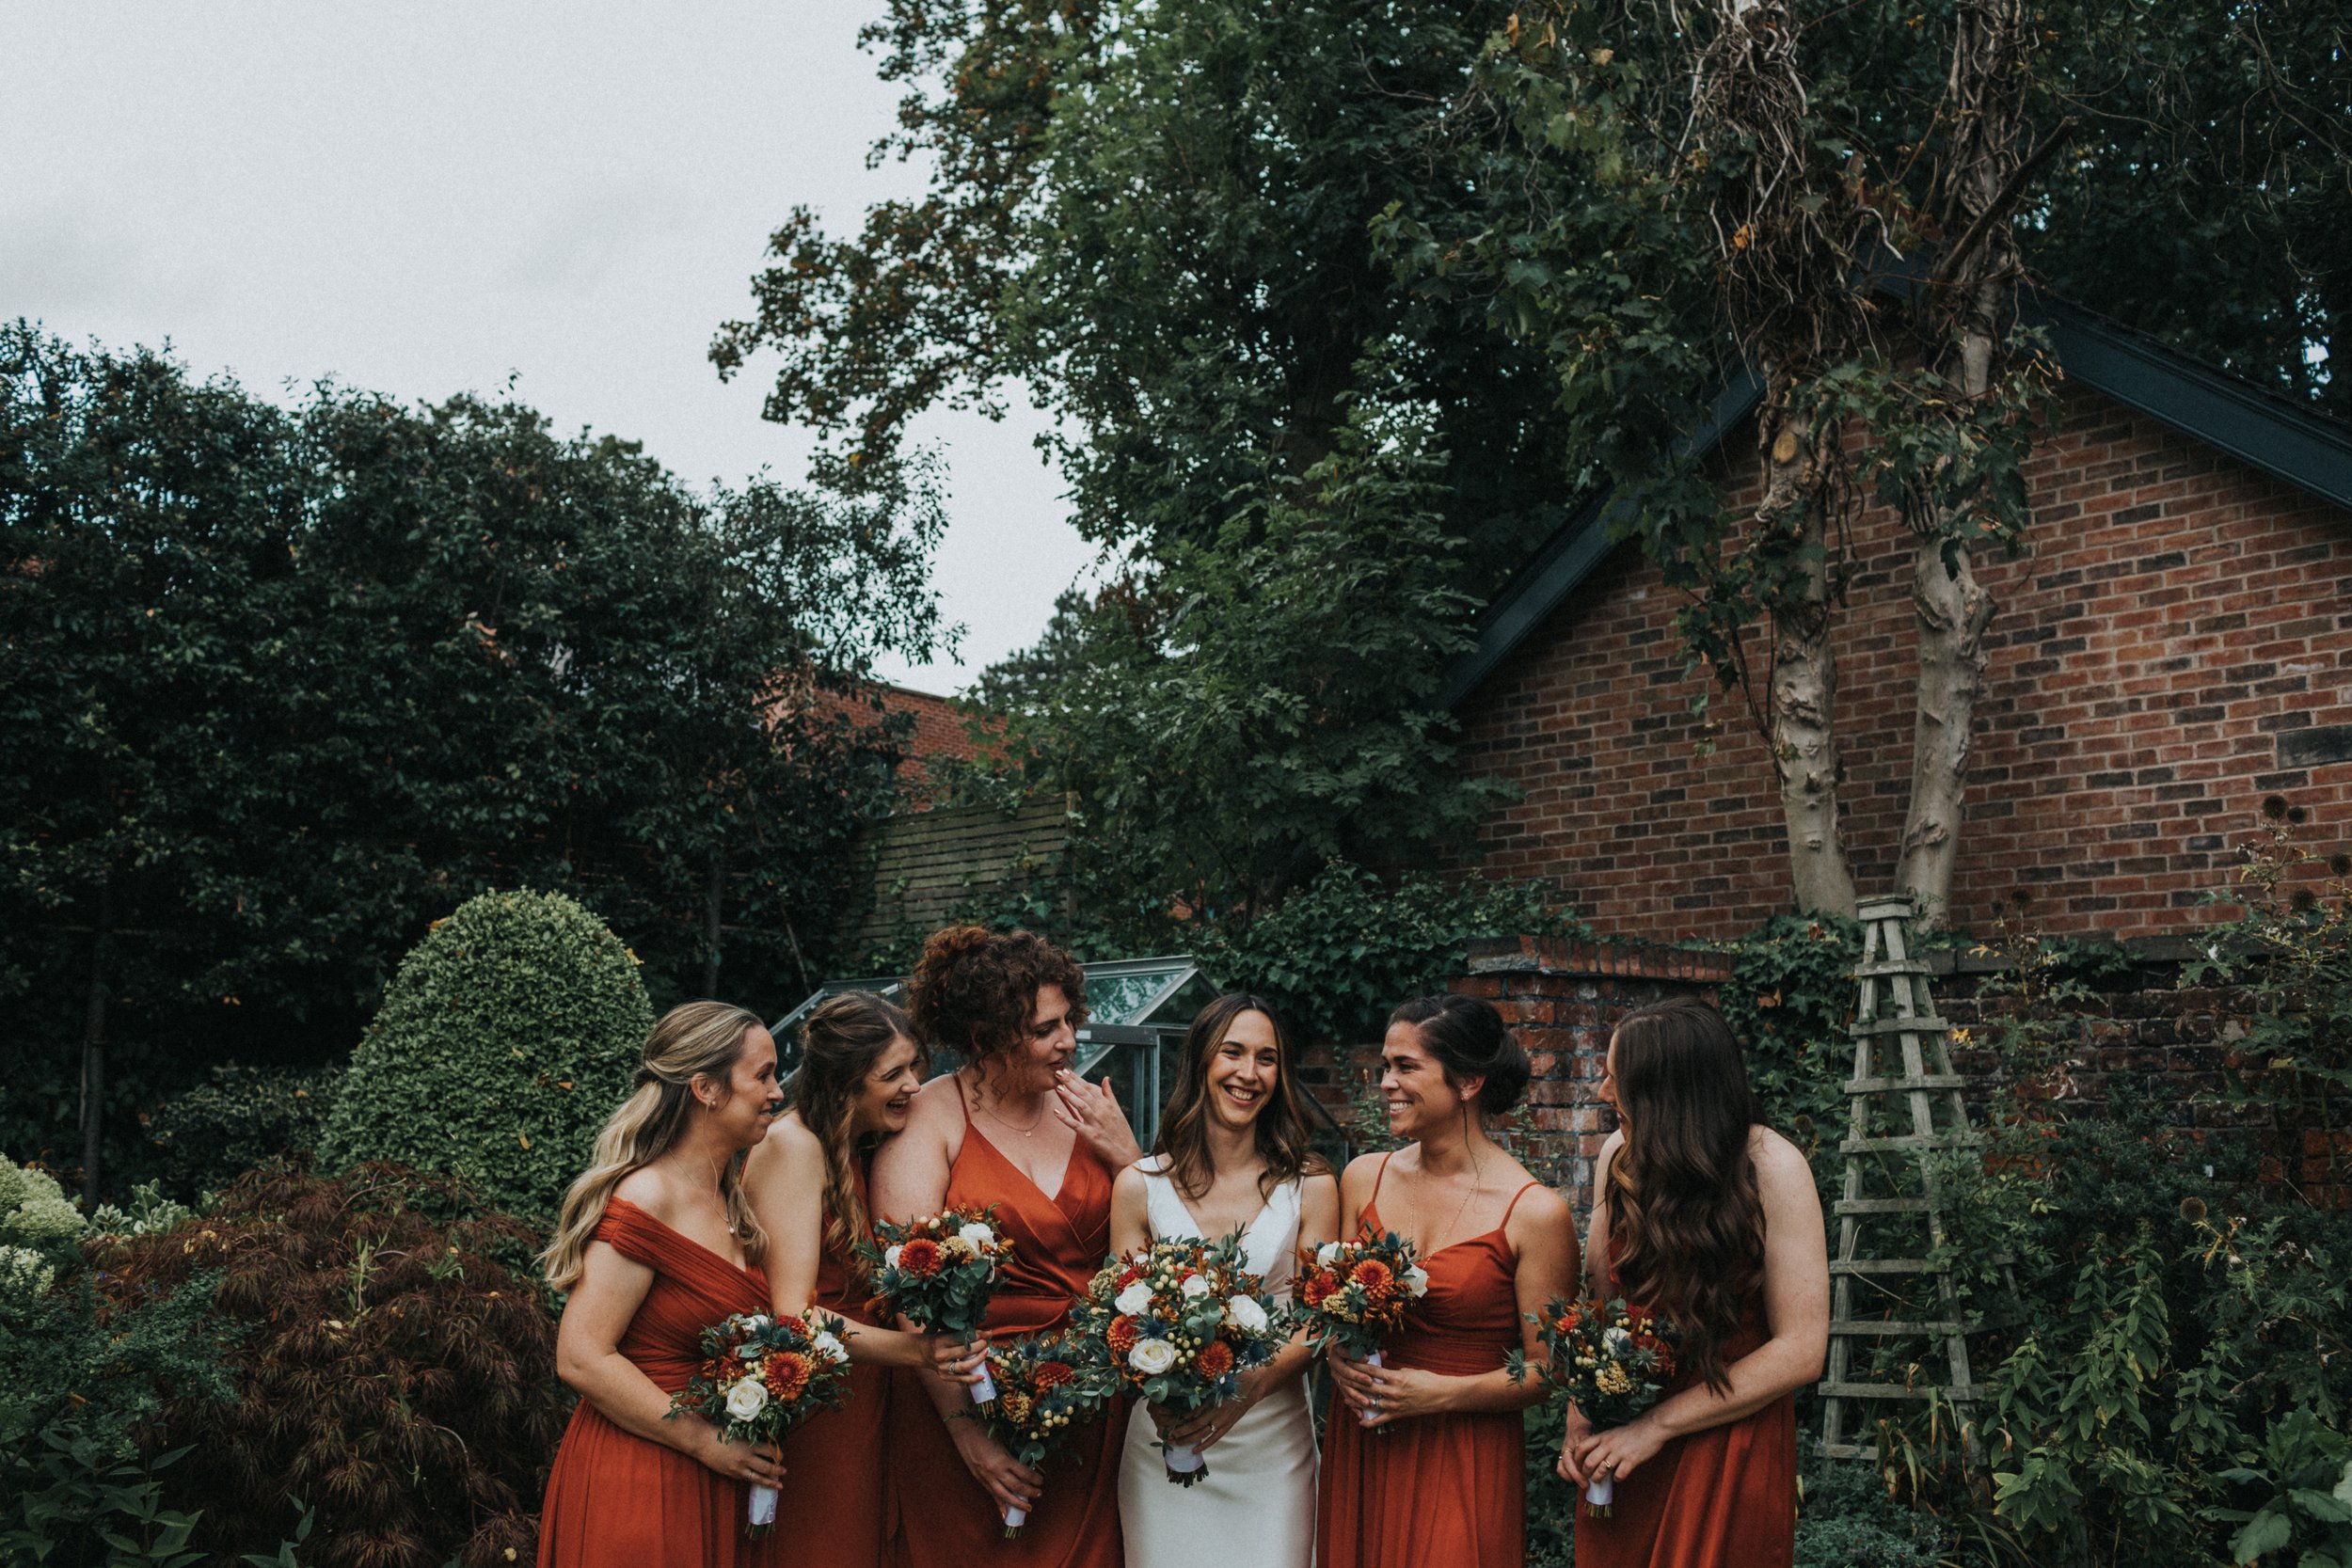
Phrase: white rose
pixel 1617 1341
pixel 1328 1253
pixel 1194 1287
pixel 1151 1357
pixel 830 1348
pixel 1417 1280
pixel 890 1257
pixel 1135 1300
pixel 1246 1315
pixel 979 1235
pixel 757 1320
pixel 747 1398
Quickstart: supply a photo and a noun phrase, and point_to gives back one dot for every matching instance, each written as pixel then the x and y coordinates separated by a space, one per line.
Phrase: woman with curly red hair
pixel 1014 1127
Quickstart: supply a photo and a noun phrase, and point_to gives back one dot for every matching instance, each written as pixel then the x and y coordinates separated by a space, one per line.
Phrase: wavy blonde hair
pixel 692 1040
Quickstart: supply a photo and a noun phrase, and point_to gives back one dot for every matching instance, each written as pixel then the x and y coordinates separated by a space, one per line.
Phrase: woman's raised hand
pixel 1093 1113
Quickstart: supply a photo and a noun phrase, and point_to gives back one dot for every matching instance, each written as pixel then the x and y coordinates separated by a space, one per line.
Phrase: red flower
pixel 787 1374
pixel 1317 1287
pixel 1052 1374
pixel 1122 1335
pixel 1376 1278
pixel 919 1258
pixel 1216 1358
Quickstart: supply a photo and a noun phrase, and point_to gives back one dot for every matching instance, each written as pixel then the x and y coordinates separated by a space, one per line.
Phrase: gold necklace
pixel 1477 1185
pixel 1009 1125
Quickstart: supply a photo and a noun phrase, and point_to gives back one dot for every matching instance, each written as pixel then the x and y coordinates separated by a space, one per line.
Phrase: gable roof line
pixel 2260 429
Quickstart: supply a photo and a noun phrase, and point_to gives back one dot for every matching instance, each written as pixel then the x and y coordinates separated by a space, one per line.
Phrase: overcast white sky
pixel 426 199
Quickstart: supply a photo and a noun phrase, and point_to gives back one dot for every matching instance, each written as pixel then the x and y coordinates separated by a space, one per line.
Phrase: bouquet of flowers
pixel 938 1271
pixel 1179 1322
pixel 1045 1385
pixel 761 1377
pixel 1355 1294
pixel 1612 1361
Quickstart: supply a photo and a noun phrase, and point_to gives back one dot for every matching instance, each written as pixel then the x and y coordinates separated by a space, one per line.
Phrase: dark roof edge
pixel 2258 428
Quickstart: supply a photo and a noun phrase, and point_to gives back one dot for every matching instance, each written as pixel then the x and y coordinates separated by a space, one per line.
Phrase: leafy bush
pixel 245 1116
pixel 504 1041
pixel 1341 951
pixel 388 1368
pixel 1790 995
pixel 1850 1519
pixel 37 1216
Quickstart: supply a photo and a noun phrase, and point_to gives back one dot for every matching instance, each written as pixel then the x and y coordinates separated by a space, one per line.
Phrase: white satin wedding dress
pixel 1256 1509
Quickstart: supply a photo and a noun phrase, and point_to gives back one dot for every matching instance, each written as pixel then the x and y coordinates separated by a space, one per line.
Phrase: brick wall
pixel 2176 642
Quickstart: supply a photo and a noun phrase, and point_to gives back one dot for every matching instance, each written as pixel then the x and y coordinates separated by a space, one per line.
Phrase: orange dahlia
pixel 1376 1277
pixel 1122 1335
pixel 1052 1374
pixel 1317 1289
pixel 787 1374
pixel 1216 1358
pixel 919 1258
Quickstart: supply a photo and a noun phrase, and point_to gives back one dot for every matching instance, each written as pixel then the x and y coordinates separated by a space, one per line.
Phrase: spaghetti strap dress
pixel 832 1514
pixel 942 1517
pixel 1722 1497
pixel 615 1500
pixel 1446 1490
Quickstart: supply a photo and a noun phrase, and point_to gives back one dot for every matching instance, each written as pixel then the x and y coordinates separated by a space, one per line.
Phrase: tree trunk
pixel 1804 686
pixel 94 1046
pixel 1953 611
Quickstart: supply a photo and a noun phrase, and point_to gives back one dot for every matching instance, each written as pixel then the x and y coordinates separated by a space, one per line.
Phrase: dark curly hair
pixel 975 989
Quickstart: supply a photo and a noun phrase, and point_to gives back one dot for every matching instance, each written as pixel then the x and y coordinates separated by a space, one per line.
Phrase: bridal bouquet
pixel 1045 1385
pixel 1178 1323
pixel 1355 1294
pixel 761 1377
pixel 1612 1361
pixel 938 1271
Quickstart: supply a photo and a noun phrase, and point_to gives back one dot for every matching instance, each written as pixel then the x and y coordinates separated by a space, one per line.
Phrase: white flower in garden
pixel 1417 1280
pixel 1246 1315
pixel 1194 1287
pixel 890 1257
pixel 980 1237
pixel 1135 1300
pixel 1328 1253
pixel 830 1348
pixel 1151 1357
pixel 747 1398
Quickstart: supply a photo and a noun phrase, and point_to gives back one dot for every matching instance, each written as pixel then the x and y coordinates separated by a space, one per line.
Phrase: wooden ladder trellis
pixel 1902 1063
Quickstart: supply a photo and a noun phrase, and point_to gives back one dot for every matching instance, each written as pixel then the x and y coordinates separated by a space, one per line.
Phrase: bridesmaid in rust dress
pixel 808 1183
pixel 1708 1479
pixel 1014 1128
pixel 1425 1465
pixel 655 1244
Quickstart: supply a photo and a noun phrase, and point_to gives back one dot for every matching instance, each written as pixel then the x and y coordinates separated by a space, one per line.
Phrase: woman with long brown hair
pixel 655 1244
pixel 1444 1479
pixel 807 1182
pixel 1710 1219
pixel 1232 1156
pixel 1015 1128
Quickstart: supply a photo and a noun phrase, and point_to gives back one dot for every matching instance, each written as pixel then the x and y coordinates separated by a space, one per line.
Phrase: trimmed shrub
pixel 390 1371
pixel 245 1116
pixel 508 1035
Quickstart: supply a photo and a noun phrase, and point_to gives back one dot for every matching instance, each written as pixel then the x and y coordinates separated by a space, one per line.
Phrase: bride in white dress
pixel 1231 1155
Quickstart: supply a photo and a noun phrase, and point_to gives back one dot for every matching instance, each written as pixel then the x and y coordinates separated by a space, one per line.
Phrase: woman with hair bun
pixel 1711 1220
pixel 1430 1468
pixel 808 1181
pixel 655 1244
pixel 1015 1128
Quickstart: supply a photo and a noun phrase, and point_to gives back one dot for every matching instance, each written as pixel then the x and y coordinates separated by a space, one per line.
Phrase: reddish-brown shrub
pixel 395 1374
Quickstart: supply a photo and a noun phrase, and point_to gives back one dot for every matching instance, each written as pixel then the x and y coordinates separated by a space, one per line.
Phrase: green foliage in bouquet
pixel 381 1362
pixel 940 1268
pixel 508 1035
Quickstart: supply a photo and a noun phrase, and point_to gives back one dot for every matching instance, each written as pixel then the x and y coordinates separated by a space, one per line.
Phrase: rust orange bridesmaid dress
pixel 1436 1490
pixel 831 1514
pixel 615 1499
pixel 943 1518
pixel 1724 1498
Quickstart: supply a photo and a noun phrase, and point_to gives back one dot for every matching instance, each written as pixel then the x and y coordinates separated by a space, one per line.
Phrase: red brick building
pixel 2175 644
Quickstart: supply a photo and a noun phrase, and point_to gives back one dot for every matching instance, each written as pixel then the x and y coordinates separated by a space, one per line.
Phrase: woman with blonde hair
pixel 808 1185
pixel 656 1242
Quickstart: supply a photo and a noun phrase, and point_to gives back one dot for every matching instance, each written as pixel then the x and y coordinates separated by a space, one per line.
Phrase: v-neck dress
pixel 615 1500
pixel 1256 1509
pixel 1435 1489
pixel 942 1517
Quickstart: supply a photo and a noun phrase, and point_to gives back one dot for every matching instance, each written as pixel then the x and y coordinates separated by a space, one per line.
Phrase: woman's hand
pixel 758 1463
pixel 1401 1393
pixel 1012 1484
pixel 1095 1115
pixel 1572 1443
pixel 954 1360
pixel 1620 1451
pixel 1202 1428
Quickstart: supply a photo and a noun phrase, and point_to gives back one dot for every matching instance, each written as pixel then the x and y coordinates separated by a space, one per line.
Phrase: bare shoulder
pixel 1601 1162
pixel 1776 1159
pixel 937 1110
pixel 1127 1186
pixel 1543 1206
pixel 648 1188
pixel 1319 1185
pixel 1361 1171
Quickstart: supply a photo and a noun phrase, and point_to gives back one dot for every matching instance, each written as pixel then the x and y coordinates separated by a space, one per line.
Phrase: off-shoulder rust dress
pixel 942 1517
pixel 832 1514
pixel 615 1500
pixel 1435 1491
